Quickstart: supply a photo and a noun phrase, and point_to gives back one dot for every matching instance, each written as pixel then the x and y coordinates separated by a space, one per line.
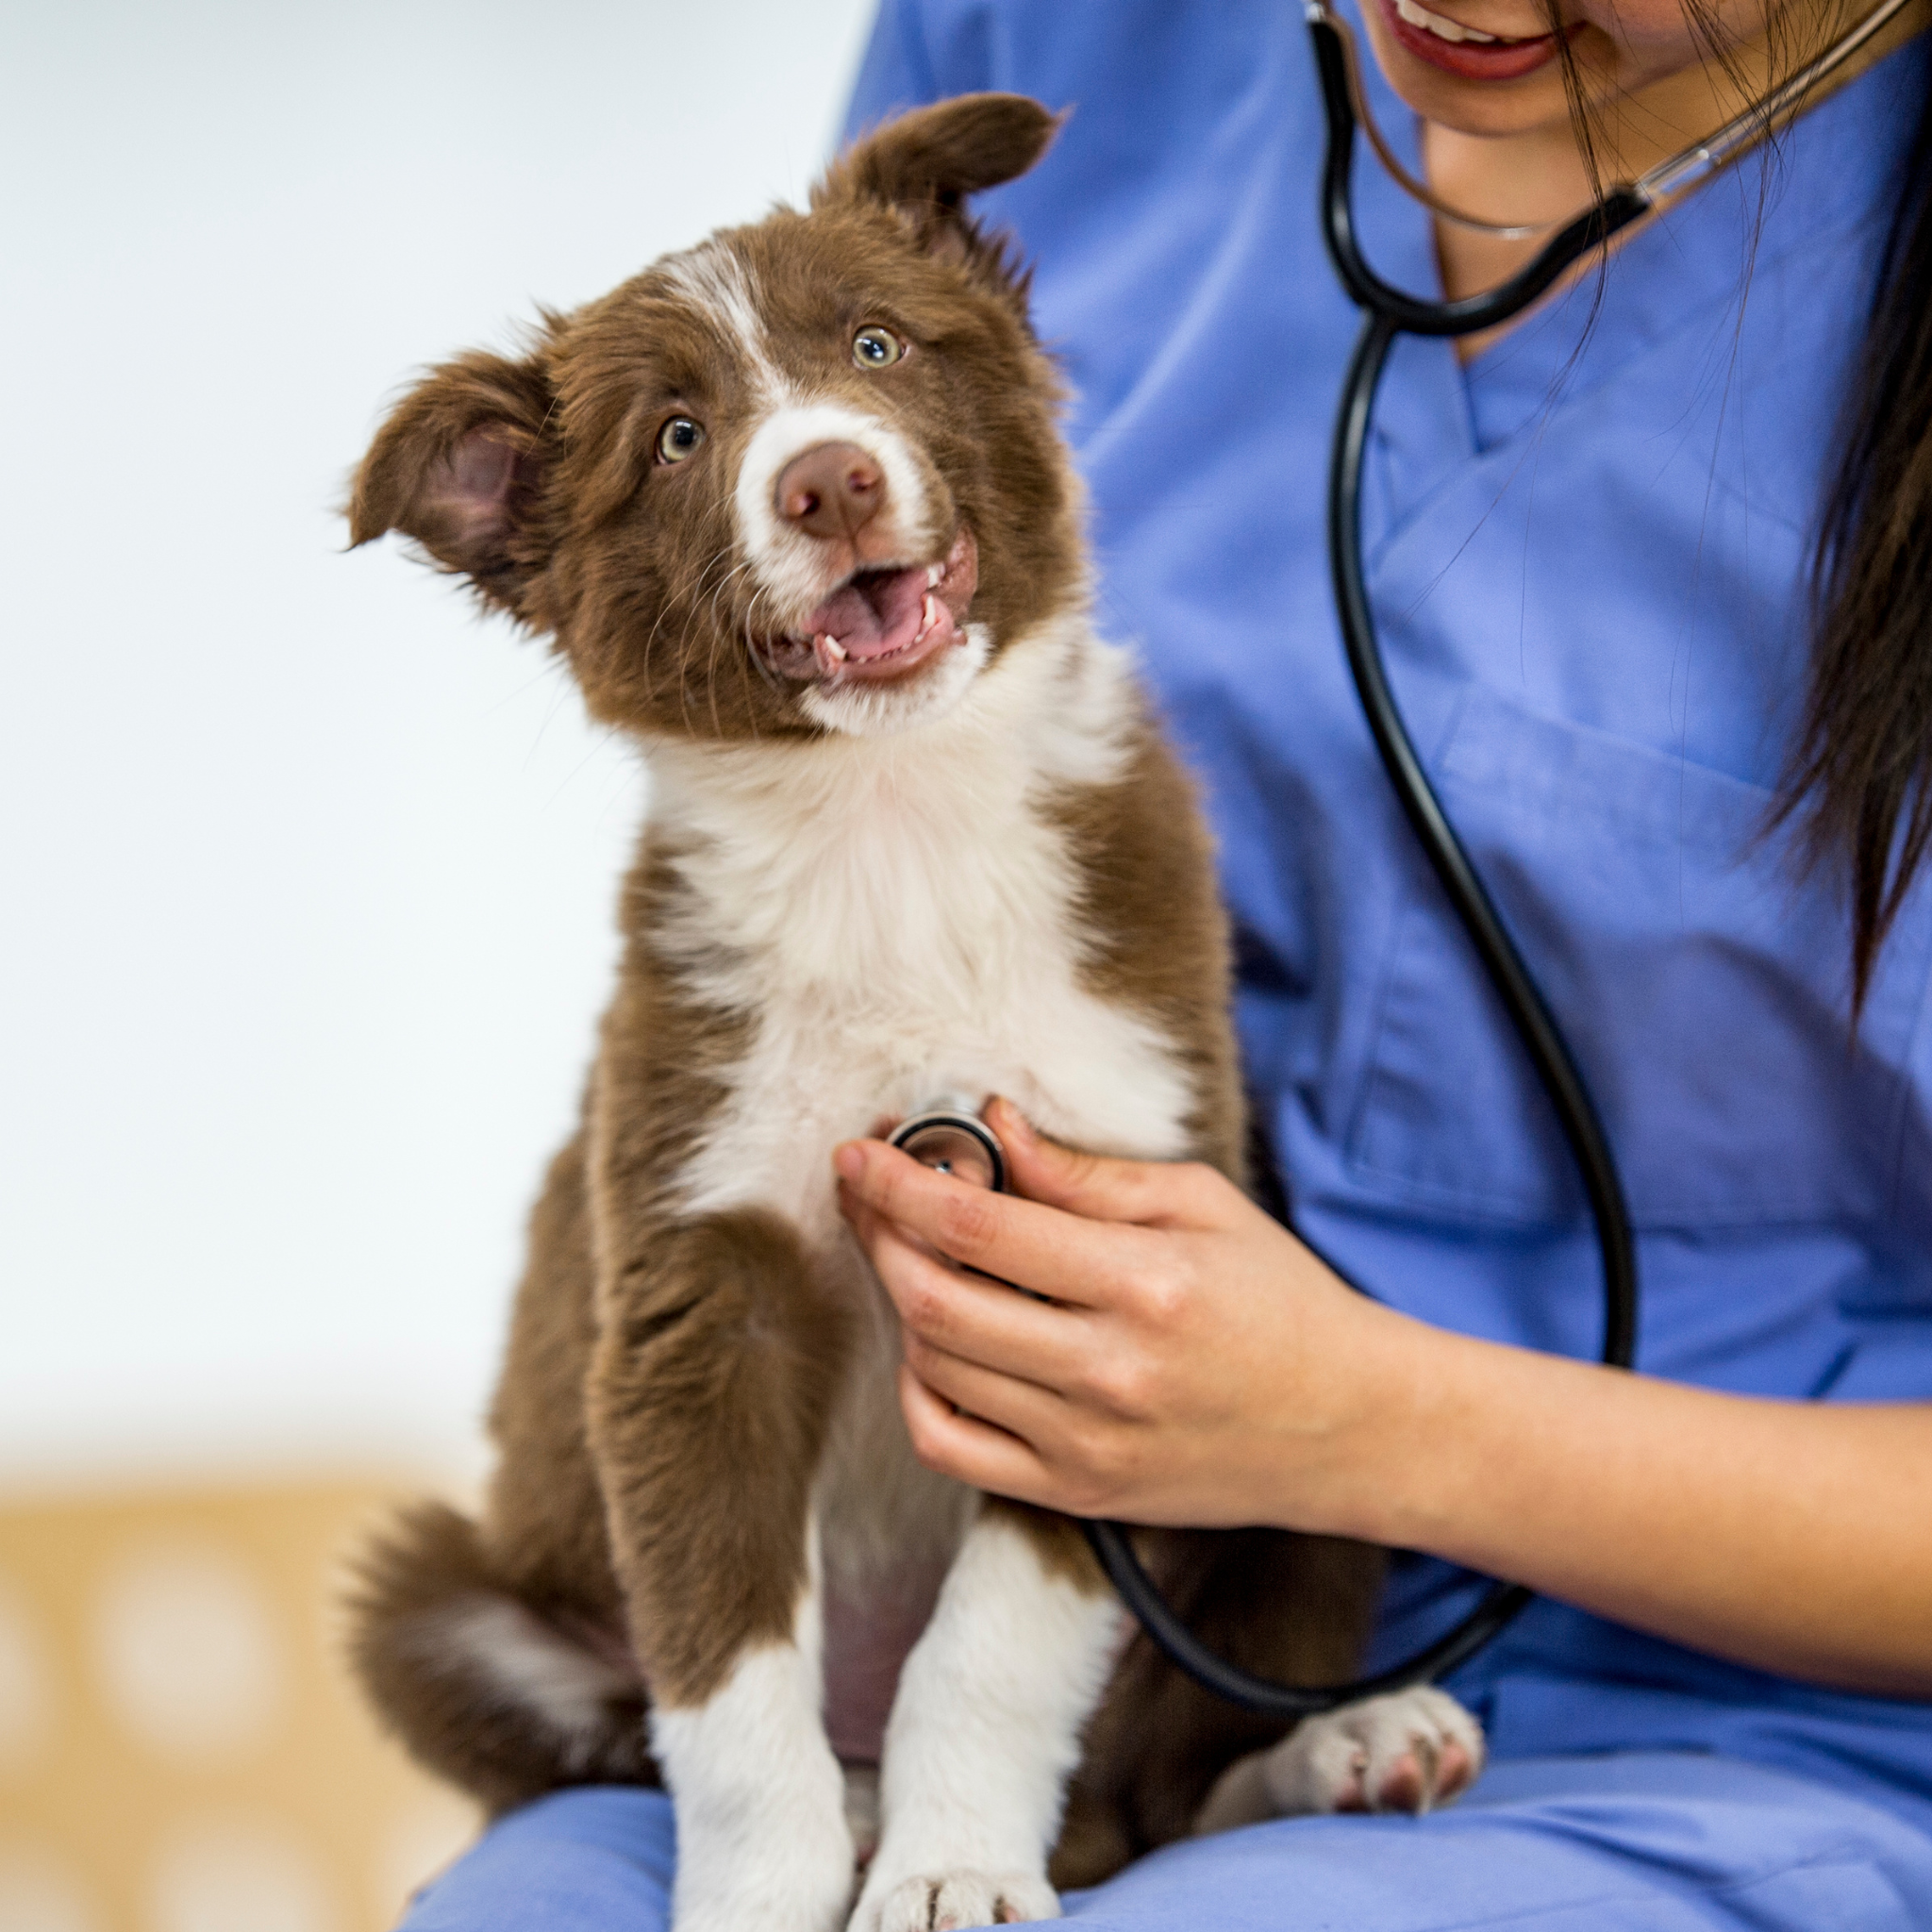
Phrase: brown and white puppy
pixel 793 508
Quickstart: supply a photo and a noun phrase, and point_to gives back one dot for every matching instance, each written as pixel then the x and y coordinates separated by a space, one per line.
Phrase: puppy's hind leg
pixel 986 1728
pixel 710 1394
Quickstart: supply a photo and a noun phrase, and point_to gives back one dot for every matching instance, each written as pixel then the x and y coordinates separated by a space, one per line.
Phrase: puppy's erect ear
pixel 925 163
pixel 460 466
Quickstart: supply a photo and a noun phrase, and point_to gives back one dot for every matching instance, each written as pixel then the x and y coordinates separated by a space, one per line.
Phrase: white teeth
pixel 930 615
pixel 933 572
pixel 831 647
pixel 1444 29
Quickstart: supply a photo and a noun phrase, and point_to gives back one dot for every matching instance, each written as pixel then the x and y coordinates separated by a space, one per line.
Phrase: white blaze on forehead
pixel 792 567
pixel 716 283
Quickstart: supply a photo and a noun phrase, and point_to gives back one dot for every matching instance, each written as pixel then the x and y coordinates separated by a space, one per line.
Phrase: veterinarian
pixel 1692 764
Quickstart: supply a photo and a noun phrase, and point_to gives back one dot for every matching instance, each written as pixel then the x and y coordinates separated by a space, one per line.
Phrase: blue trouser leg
pixel 1660 1842
pixel 595 1859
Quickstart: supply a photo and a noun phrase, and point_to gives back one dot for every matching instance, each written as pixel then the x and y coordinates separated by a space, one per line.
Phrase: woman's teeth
pixel 1444 29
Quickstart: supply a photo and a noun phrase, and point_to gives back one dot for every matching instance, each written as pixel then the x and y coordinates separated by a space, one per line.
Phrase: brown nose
pixel 833 491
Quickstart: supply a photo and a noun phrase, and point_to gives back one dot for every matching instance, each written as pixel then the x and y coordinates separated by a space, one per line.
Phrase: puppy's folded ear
pixel 460 466
pixel 925 163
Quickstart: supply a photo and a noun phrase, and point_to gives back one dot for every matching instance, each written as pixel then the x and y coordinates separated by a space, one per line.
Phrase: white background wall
pixel 305 869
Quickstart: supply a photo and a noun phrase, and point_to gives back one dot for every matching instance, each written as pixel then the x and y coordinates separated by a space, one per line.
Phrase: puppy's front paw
pixel 1409 1751
pixel 803 1884
pixel 950 1900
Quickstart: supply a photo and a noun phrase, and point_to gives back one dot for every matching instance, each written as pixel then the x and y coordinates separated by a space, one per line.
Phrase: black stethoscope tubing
pixel 1389 312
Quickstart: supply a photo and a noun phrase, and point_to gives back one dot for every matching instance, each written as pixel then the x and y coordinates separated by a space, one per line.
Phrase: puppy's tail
pixel 484 1688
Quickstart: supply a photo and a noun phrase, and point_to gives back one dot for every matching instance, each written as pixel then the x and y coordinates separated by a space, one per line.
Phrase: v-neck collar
pixel 1683 269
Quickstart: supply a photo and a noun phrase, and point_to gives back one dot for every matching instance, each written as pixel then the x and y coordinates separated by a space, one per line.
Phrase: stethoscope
pixel 952 1139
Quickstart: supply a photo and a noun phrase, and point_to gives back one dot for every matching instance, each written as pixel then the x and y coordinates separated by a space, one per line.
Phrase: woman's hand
pixel 1197 1364
pixel 1194 1363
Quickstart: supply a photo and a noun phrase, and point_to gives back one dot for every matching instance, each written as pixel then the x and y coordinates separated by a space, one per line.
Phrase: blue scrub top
pixel 1588 553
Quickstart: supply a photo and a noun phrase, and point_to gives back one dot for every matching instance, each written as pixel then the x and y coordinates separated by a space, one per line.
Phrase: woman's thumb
pixel 1091 1185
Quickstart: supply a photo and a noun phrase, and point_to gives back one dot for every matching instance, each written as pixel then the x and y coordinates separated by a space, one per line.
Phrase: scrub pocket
pixel 1703 988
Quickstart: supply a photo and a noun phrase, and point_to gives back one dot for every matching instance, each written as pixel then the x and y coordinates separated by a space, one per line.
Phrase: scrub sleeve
pixel 1588 552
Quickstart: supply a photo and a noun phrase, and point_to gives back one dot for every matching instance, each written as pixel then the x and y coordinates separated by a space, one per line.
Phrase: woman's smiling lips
pixel 1465 52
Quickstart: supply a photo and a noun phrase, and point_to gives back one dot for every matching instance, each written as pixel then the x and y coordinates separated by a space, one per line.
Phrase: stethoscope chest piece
pixel 950 1141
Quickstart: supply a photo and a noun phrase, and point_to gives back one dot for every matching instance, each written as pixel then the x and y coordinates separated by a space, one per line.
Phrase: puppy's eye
pixel 678 439
pixel 876 348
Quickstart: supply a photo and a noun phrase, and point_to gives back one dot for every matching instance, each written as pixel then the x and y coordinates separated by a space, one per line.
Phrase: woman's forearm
pixel 1792 1535
pixel 1184 1359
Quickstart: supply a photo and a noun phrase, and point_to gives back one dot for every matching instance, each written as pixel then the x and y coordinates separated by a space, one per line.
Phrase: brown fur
pixel 455 1720
pixel 596 546
pixel 1157 938
pixel 672 1377
pixel 546 1520
pixel 708 1395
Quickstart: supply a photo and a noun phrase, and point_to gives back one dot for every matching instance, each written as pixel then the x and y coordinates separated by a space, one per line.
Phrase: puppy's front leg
pixel 714 1372
pixel 986 1728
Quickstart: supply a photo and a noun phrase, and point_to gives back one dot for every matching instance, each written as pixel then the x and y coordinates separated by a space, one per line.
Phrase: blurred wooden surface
pixel 181 1749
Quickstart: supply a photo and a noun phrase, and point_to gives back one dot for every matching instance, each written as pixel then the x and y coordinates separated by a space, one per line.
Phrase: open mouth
pixel 882 622
pixel 1466 51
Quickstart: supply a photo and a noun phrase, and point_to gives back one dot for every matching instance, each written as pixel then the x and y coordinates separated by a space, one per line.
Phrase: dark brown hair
pixel 1859 778
pixel 1861 774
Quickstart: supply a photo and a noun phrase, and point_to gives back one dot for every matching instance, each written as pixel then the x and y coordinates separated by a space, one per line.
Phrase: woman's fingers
pixel 1025 1410
pixel 1096 1188
pixel 1010 1437
pixel 1024 1243
pixel 1109 1397
pixel 970 1316
pixel 969 1449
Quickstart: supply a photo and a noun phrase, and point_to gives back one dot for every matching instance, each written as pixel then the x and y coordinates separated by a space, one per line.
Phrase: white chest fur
pixel 900 916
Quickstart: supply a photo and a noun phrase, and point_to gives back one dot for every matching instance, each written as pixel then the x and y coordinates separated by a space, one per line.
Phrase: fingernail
pixel 848 1160
pixel 1018 1125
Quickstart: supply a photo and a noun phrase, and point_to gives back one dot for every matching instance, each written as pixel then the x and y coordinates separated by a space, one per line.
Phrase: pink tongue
pixel 874 614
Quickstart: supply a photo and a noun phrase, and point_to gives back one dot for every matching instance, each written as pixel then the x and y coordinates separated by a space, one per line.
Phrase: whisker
pixel 724 584
pixel 712 680
pixel 757 656
pixel 650 643
pixel 695 603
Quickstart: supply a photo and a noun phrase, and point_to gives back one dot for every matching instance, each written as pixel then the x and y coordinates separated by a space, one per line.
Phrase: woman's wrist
pixel 1386 1468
